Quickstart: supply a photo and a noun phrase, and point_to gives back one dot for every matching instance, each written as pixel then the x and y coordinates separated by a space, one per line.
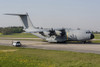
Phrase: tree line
pixel 11 30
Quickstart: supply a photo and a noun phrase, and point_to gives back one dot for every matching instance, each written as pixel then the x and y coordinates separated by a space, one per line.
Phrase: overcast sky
pixel 84 14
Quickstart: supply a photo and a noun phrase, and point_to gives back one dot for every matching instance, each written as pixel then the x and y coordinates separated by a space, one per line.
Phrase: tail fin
pixel 25 20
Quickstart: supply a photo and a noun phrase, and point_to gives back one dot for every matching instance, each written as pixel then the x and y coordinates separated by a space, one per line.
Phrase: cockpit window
pixel 88 32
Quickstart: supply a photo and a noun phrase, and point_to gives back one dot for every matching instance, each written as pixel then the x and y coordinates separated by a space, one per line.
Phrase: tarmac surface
pixel 78 47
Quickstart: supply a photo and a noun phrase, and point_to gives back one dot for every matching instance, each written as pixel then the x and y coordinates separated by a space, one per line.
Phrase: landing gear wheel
pixel 83 42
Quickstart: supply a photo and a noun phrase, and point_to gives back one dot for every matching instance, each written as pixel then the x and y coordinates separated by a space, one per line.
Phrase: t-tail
pixel 27 24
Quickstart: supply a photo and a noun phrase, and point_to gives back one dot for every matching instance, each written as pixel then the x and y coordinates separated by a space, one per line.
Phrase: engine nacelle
pixel 46 33
pixel 58 33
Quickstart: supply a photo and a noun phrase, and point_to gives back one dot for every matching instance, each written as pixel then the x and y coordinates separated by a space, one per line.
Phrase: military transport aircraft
pixel 54 35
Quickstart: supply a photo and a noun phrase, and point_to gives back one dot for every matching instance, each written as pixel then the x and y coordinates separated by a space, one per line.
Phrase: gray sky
pixel 84 14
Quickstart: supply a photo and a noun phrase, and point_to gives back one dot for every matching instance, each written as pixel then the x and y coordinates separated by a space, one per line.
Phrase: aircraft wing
pixel 52 32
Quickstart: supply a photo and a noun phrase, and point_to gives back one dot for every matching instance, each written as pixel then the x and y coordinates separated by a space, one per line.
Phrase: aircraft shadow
pixel 77 43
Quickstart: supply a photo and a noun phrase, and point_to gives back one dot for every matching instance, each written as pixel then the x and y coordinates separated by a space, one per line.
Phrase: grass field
pixel 27 57
pixel 97 36
pixel 19 35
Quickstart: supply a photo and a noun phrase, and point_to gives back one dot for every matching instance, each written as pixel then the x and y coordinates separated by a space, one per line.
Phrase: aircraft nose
pixel 92 36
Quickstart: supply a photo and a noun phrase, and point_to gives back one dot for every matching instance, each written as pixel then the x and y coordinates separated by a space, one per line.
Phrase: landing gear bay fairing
pixel 54 35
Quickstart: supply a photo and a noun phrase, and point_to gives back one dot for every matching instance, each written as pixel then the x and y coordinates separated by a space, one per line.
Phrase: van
pixel 16 43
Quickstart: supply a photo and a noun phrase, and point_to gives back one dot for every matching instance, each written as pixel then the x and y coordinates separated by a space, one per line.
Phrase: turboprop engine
pixel 53 32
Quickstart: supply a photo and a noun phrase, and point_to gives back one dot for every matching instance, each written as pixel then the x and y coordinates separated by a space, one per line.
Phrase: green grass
pixel 27 57
pixel 97 36
pixel 95 41
pixel 19 35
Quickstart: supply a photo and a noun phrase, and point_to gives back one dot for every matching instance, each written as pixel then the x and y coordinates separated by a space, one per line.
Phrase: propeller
pixel 52 32
pixel 42 33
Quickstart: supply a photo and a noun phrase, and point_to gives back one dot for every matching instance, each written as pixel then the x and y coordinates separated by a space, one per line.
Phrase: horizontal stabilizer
pixel 16 14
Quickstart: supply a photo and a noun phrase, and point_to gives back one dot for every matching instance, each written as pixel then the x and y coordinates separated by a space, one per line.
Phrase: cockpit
pixel 91 34
pixel 88 32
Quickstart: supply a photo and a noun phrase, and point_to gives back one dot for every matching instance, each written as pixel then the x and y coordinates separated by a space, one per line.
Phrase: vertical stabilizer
pixel 25 20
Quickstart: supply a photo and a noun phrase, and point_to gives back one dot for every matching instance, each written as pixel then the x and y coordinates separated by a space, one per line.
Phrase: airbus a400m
pixel 54 35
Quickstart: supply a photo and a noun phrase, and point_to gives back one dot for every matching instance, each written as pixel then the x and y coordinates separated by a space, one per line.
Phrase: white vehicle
pixel 16 43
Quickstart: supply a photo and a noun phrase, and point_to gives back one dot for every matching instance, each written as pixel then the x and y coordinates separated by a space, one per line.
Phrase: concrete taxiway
pixel 85 48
